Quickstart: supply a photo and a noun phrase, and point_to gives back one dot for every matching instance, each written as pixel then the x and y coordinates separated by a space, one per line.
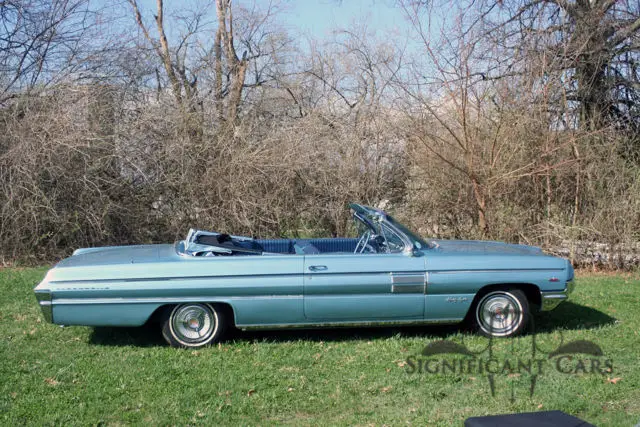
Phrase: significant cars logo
pixel 518 361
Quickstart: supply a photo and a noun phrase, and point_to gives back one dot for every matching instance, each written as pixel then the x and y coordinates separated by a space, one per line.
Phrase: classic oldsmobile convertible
pixel 200 286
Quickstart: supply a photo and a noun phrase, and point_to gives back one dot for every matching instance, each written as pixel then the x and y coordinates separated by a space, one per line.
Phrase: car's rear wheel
pixel 502 313
pixel 193 325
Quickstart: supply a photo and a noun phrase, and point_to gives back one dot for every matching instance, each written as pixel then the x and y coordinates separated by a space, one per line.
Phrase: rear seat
pixel 280 246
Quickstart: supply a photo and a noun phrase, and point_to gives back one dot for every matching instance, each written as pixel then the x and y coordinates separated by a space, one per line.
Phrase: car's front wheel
pixel 502 313
pixel 193 325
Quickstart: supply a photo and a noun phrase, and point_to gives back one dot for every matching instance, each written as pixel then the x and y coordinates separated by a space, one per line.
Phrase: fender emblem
pixel 456 299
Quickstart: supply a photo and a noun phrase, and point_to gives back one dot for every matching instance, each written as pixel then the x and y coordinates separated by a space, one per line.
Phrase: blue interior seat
pixel 335 244
pixel 280 246
pixel 323 245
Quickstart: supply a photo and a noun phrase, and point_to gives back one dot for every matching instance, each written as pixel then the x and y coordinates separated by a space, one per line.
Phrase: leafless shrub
pixel 464 137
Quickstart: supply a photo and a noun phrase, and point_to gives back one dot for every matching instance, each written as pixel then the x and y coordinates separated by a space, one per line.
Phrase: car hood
pixel 110 255
pixel 485 247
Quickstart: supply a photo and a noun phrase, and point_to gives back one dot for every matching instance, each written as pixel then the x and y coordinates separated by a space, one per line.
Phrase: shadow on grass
pixel 149 335
pixel 145 336
pixel 567 316
pixel 346 334
pixel 571 316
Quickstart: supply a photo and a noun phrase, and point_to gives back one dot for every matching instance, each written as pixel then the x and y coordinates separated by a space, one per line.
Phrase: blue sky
pixel 319 17
pixel 315 18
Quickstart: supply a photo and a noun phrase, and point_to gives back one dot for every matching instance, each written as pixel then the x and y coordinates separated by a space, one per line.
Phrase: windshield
pixel 381 224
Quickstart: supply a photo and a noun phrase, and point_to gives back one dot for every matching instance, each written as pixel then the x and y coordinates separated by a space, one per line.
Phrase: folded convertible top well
pixel 227 242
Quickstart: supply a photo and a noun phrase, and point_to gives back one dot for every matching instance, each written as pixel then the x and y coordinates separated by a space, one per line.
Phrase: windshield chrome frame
pixel 369 216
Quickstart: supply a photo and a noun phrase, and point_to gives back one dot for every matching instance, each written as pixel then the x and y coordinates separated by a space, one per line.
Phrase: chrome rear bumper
pixel 44 300
pixel 551 300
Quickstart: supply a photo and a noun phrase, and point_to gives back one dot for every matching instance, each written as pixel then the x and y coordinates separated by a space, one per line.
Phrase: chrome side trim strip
pixel 352 324
pixel 164 300
pixel 328 273
pixel 496 270
pixel 227 276
pixel 179 278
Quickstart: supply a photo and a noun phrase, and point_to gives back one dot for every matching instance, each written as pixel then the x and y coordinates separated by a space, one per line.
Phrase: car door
pixel 263 290
pixel 368 287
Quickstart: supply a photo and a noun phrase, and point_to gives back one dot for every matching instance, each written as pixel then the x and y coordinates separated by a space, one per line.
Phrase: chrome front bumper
pixel 44 299
pixel 551 300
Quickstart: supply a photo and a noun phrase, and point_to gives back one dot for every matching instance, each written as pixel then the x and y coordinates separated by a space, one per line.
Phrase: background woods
pixel 512 120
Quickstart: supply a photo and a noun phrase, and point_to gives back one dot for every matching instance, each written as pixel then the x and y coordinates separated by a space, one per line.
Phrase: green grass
pixel 78 375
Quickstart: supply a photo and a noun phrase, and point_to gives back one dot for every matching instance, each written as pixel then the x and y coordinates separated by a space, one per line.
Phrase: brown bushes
pixel 277 141
pixel 80 168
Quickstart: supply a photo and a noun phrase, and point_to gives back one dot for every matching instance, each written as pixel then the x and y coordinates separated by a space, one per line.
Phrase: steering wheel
pixel 380 243
pixel 362 243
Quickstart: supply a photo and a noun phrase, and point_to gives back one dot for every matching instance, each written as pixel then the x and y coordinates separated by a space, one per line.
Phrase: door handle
pixel 317 267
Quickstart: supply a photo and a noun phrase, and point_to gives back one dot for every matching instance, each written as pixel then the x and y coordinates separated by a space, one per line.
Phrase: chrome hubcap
pixel 193 323
pixel 499 313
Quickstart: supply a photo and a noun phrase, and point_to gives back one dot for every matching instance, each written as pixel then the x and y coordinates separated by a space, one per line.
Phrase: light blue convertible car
pixel 199 287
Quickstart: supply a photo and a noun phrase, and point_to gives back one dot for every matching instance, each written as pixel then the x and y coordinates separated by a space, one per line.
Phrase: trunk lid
pixel 110 255
pixel 485 247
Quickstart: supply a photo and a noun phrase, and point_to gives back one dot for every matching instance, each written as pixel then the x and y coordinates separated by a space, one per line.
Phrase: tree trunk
pixel 481 206
pixel 218 62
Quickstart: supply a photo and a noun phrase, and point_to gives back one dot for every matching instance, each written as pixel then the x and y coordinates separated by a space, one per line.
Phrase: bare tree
pixel 186 67
pixel 591 45
pixel 41 42
pixel 174 60
pixel 501 119
pixel 237 66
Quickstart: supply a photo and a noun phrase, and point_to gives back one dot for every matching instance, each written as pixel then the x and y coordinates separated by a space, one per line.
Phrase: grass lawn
pixel 79 375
